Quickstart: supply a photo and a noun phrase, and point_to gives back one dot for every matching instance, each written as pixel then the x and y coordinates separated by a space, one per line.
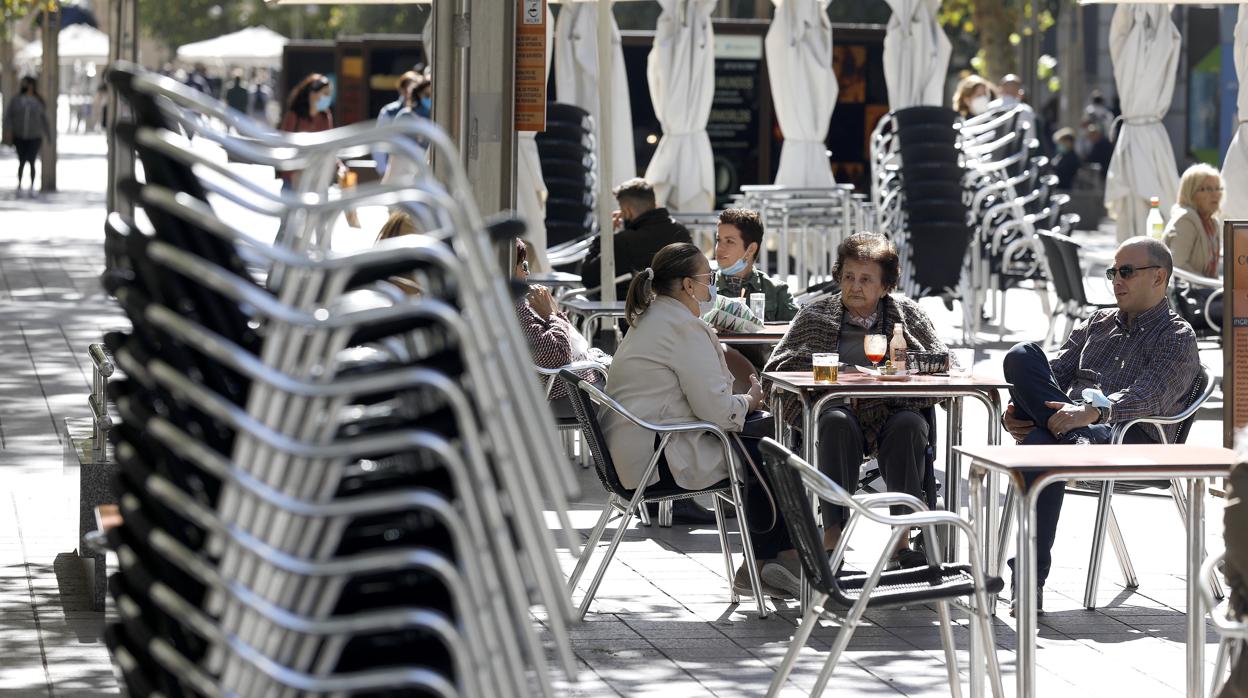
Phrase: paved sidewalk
pixel 661 624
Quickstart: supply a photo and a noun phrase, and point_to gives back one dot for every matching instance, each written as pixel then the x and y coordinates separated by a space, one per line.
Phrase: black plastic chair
pixel 1062 258
pixel 793 481
pixel 925 116
pixel 627 502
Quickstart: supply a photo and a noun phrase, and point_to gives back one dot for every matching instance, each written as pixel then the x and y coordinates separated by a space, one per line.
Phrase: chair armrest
pixel 891 499
pixel 585 365
pixel 1197 279
pixel 1218 612
pixel 1121 429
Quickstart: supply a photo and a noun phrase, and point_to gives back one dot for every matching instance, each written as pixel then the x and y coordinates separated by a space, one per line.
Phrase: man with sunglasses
pixel 1141 357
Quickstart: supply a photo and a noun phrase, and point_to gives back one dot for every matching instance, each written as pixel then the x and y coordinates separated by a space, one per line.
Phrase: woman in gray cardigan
pixel 1194 233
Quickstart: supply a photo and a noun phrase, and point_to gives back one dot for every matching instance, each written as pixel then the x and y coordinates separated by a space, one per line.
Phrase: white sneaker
pixel 776 575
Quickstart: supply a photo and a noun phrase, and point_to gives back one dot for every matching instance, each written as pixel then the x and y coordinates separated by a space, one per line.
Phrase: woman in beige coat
pixel 670 369
pixel 1194 233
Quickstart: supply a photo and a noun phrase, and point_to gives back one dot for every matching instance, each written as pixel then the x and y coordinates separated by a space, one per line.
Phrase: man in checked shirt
pixel 1142 357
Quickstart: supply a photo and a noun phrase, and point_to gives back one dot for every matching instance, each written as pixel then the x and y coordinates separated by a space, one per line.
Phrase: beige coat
pixel 670 369
pixel 1185 236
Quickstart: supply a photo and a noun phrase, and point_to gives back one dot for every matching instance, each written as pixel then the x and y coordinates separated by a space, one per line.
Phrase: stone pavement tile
pixel 725 644
pixel 606 629
pixel 674 629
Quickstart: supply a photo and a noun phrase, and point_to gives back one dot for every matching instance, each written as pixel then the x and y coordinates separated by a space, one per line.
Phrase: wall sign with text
pixel 1235 330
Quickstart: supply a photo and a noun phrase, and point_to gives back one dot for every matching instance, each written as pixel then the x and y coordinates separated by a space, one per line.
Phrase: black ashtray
pixel 927 362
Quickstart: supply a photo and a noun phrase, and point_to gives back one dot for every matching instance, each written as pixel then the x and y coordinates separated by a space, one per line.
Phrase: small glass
pixel 758 305
pixel 875 346
pixel 961 361
pixel 825 367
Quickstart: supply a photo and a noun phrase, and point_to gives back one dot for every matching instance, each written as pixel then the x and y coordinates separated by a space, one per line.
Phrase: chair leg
pixel 951 649
pixel 606 561
pixel 1120 551
pixel 594 537
pixel 665 514
pixel 747 548
pixel 1179 494
pixel 848 625
pixel 722 529
pixel 1003 535
pixel 810 620
pixel 1103 509
pixel 1219 665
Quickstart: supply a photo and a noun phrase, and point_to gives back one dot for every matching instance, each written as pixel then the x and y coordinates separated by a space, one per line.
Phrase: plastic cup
pixel 962 361
pixel 825 367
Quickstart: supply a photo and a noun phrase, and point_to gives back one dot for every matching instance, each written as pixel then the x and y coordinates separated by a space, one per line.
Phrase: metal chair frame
pixel 1232 630
pixel 616 504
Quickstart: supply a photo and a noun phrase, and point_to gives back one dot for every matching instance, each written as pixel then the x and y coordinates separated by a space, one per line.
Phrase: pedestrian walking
pixel 26 118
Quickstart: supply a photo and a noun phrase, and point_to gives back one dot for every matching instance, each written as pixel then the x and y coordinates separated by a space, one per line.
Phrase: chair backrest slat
pixel 1196 393
pixel 587 416
pixel 794 505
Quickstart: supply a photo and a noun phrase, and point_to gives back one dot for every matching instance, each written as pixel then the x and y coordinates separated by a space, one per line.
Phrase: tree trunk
pixel 8 72
pixel 50 79
pixel 993 27
pixel 1070 64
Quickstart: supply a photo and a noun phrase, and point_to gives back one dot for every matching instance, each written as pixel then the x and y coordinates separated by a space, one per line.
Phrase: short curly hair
pixel 748 222
pixel 870 247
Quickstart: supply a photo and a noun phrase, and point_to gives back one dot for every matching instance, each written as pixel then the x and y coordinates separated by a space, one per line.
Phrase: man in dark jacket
pixel 641 231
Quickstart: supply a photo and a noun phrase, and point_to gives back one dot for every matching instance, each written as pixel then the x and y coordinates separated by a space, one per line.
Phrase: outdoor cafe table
pixel 770 335
pixel 591 312
pixel 1060 463
pixel 814 396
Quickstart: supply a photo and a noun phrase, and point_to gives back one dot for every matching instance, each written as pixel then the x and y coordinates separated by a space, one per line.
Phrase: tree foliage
pixel 998 27
pixel 185 21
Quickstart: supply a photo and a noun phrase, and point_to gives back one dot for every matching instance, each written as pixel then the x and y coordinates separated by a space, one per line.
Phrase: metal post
pixel 1025 590
pixel 605 76
pixel 50 77
pixel 1195 607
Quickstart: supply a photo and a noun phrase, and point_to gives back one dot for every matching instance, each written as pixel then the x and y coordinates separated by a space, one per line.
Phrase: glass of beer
pixel 825 367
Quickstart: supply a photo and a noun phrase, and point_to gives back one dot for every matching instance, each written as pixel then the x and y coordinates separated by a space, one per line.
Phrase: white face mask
pixel 979 105
pixel 707 305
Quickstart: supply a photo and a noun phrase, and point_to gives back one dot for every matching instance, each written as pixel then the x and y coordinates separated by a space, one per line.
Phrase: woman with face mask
pixel 308 110
pixel 973 95
pixel 671 369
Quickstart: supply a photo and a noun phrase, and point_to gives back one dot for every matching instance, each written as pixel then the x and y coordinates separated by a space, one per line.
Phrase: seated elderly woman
pixel 895 430
pixel 1194 236
pixel 670 369
pixel 552 338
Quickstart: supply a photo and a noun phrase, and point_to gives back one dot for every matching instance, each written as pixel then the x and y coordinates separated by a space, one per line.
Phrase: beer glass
pixel 825 366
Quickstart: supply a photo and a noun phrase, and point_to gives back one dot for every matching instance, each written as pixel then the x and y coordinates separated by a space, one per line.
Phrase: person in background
pixel 198 79
pixel 552 338
pixel 737 243
pixel 1194 231
pixel 670 369
pixel 1011 94
pixel 99 107
pixel 1066 163
pixel 406 82
pixel 894 429
pixel 27 119
pixel 422 98
pixel 397 225
pixel 1140 358
pixel 642 229
pixel 308 110
pixel 260 95
pixel 1100 149
pixel 236 96
pixel 973 96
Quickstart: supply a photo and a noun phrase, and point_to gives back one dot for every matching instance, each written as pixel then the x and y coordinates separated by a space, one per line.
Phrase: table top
pixel 771 333
pixel 861 382
pixel 554 277
pixel 1123 460
pixel 584 305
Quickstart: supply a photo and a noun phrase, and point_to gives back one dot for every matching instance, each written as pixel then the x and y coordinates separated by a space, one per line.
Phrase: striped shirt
pixel 552 342
pixel 1146 370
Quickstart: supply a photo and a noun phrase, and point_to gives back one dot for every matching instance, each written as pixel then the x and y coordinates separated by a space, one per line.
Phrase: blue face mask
pixel 324 102
pixel 735 268
pixel 426 103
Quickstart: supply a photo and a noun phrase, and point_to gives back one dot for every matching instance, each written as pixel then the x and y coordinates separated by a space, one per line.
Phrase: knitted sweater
pixel 817 328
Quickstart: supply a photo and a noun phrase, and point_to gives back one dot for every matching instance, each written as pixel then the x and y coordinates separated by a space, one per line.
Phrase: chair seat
pixel 914 585
pixel 656 494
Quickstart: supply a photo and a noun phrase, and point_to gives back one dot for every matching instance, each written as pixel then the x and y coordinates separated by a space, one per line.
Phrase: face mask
pixel 979 104
pixel 708 305
pixel 323 103
pixel 735 268
pixel 1063 148
pixel 426 103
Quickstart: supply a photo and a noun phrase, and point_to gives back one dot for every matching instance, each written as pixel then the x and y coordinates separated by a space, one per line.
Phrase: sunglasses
pixel 1127 271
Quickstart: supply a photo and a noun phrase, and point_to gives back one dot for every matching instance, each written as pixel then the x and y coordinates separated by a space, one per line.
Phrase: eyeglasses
pixel 1210 190
pixel 1127 271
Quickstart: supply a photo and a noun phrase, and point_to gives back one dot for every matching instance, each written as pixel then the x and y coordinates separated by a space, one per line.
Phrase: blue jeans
pixel 1027 369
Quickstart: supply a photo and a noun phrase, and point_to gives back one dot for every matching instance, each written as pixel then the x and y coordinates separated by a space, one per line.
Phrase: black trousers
pixel 768 532
pixel 1027 369
pixel 1235 530
pixel 842 448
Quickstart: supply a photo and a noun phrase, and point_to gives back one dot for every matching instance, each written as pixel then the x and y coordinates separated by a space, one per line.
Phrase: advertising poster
pixel 1235 331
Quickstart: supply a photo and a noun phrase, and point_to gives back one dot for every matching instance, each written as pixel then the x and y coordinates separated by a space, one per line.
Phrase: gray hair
pixel 1156 250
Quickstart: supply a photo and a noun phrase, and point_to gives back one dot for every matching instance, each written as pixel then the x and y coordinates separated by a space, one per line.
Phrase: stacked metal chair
pixel 570 171
pixel 979 191
pixel 328 488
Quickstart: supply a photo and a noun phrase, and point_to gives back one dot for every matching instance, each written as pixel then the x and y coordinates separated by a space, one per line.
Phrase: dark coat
pixel 635 247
